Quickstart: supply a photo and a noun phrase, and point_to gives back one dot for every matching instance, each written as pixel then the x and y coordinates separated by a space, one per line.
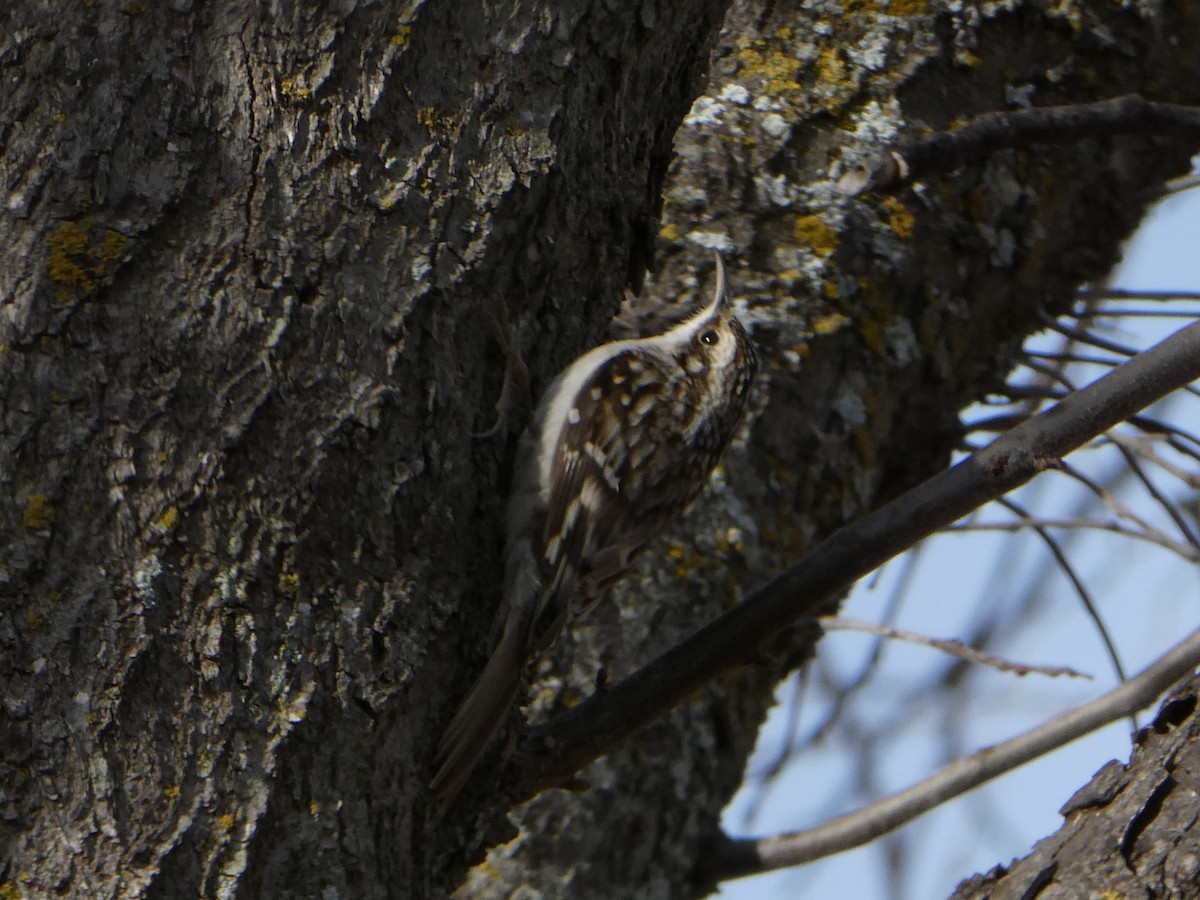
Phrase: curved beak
pixel 720 299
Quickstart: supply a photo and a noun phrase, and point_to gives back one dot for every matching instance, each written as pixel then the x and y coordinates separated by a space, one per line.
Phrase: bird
pixel 622 443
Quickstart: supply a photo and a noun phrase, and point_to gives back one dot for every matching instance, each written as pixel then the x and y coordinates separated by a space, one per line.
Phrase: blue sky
pixel 1150 599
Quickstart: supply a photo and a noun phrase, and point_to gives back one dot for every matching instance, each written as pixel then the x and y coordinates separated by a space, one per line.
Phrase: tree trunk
pixel 258 267
pixel 1130 832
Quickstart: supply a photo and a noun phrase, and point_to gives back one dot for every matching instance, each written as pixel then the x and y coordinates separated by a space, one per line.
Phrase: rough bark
pixel 251 257
pixel 1130 832
pixel 251 260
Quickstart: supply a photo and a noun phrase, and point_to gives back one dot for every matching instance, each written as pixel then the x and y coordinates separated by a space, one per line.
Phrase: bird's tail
pixel 479 717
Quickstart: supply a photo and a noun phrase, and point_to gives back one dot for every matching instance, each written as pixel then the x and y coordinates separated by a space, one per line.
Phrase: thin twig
pixel 847 693
pixel 1152 489
pixel 1175 435
pixel 1075 358
pixel 1054 374
pixel 737 858
pixel 952 647
pixel 1133 312
pixel 1114 504
pixel 1081 590
pixel 1145 448
pixel 1156 539
pixel 1103 295
pixel 1083 336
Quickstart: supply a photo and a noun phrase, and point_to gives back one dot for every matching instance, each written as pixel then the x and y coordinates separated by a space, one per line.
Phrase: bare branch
pixel 1145 448
pixel 737 858
pixel 1104 294
pixel 1118 508
pixel 1163 501
pixel 844 694
pixel 1130 312
pixel 954 648
pixel 1176 437
pixel 1080 589
pixel 1112 527
pixel 1181 184
pixel 1074 358
pixel 1083 336
pixel 985 134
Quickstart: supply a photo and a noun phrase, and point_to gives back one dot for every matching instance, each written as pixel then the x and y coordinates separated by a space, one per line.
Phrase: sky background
pixel 1149 598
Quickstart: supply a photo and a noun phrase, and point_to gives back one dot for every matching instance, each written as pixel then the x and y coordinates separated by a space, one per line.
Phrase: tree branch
pixel 555 751
pixel 992 131
pixel 738 858
pixel 954 648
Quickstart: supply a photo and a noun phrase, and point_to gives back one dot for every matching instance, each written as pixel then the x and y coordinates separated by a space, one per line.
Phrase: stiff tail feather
pixel 479 718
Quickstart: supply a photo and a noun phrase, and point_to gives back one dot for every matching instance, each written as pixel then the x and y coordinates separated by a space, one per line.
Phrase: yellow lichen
pixel 686 560
pixel 433 120
pixel 401 36
pixel 774 69
pixel 814 233
pixel 67 243
pixel 900 218
pixel 225 821
pixel 730 539
pixel 872 336
pixel 171 792
pixel 112 246
pixel 169 520
pixel 907 7
pixel 295 89
pixel 75 261
pixel 830 323
pixel 9 891
pixel 38 513
pixel 800 350
pixel 832 66
pixel 289 584
pixel 669 232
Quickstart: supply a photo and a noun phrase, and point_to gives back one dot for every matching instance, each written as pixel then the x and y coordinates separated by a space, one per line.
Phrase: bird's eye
pixel 709 337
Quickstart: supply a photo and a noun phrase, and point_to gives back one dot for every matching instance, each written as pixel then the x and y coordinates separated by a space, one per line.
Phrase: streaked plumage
pixel 624 440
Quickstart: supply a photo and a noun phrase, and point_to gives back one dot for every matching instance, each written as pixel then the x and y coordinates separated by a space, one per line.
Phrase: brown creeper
pixel 623 441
